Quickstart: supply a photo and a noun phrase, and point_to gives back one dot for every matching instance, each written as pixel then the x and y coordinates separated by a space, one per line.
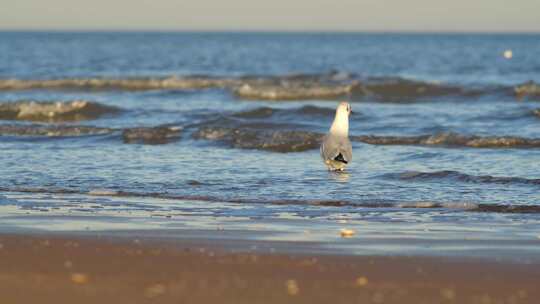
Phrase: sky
pixel 273 15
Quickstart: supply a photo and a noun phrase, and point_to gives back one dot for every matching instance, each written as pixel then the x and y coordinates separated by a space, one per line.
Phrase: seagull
pixel 336 150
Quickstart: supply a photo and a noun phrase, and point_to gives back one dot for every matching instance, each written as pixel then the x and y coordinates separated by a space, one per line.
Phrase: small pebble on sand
pixel 448 293
pixel 154 290
pixel 361 281
pixel 378 297
pixel 292 287
pixel 79 278
pixel 347 233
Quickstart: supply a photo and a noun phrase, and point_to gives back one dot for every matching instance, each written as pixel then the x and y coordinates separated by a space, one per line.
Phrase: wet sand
pixel 107 269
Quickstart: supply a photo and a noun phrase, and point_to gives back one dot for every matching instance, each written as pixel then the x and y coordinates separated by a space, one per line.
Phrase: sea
pixel 176 132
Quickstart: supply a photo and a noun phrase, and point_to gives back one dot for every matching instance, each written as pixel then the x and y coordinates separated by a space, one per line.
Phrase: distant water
pixel 109 126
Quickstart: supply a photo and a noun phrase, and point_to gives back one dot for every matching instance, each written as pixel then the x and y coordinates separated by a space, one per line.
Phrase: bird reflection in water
pixel 339 176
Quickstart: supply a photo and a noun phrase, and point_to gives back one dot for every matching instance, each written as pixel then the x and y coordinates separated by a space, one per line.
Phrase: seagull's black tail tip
pixel 340 158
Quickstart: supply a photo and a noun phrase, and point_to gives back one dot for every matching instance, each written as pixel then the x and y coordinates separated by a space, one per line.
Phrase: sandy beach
pixel 108 269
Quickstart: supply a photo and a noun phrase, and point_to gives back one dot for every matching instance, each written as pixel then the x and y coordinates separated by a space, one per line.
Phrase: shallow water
pixel 442 137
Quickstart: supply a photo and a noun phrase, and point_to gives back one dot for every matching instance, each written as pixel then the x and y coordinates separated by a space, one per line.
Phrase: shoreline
pixel 288 235
pixel 53 268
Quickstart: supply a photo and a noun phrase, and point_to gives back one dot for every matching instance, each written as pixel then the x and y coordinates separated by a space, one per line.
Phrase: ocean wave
pixel 52 130
pixel 298 141
pixel 324 86
pixel 389 89
pixel 402 90
pixel 528 90
pixel 140 135
pixel 330 85
pixel 263 112
pixel 54 111
pixel 168 83
pixel 382 204
pixel 129 84
pixel 151 135
pixel 296 91
pixel 452 140
pixel 251 130
pixel 461 177
pixel 267 112
pixel 263 139
pixel 498 208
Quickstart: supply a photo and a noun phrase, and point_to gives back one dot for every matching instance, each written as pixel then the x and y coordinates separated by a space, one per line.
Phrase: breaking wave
pixel 296 91
pixel 332 85
pixel 425 205
pixel 54 111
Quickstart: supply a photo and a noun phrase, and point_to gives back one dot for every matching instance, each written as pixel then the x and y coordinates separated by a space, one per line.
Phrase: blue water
pixel 203 181
pixel 456 58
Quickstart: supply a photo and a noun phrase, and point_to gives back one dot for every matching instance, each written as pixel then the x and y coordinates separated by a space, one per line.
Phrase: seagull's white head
pixel 341 121
pixel 344 108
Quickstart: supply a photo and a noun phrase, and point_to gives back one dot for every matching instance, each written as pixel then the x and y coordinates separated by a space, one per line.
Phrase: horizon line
pixel 263 31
